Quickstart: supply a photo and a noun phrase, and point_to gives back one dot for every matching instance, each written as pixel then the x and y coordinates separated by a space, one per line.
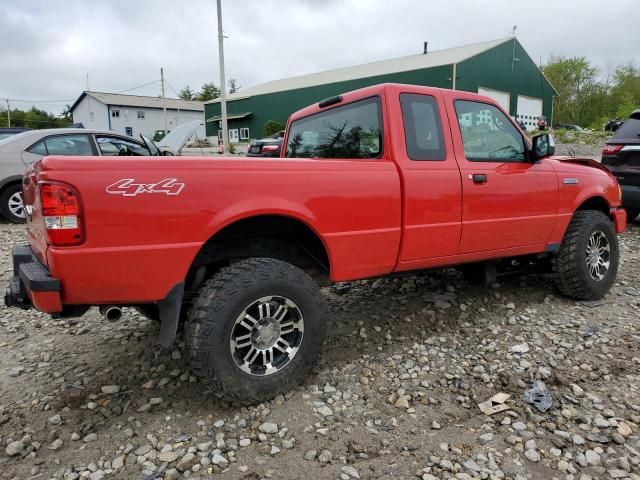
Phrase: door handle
pixel 479 178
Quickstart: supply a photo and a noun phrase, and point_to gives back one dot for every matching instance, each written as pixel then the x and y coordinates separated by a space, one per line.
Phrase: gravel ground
pixel 395 394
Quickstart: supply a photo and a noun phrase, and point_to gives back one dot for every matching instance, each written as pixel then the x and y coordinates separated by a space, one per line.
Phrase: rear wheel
pixel 632 214
pixel 256 329
pixel 587 262
pixel 11 205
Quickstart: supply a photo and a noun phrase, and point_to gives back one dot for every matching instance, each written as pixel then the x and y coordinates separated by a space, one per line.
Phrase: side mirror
pixel 542 146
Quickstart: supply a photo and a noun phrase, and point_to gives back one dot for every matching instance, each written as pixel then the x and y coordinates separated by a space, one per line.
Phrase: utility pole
pixel 223 83
pixel 89 100
pixel 164 101
pixel 8 114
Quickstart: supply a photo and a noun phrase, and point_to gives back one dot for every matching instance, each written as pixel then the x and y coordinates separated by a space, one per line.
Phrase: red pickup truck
pixel 381 180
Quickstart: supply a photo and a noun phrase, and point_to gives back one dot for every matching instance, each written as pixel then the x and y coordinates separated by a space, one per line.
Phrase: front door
pixel 233 135
pixel 508 202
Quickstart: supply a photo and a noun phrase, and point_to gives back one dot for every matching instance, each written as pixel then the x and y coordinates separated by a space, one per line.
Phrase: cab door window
pixel 487 134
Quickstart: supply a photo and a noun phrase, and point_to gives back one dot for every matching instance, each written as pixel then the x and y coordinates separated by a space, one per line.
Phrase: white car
pixel 19 151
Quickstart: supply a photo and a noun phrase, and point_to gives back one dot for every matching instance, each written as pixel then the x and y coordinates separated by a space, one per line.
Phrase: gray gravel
pixel 395 394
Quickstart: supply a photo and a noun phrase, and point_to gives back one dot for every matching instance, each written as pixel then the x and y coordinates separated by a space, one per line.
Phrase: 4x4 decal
pixel 128 187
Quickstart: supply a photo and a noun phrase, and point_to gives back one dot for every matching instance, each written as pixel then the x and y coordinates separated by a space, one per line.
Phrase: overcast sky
pixel 47 47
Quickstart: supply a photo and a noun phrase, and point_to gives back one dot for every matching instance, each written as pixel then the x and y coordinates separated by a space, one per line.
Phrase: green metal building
pixel 500 69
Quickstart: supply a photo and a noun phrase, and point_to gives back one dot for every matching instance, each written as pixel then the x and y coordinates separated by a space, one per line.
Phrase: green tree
pixel 209 91
pixel 272 126
pixel 186 93
pixel 34 118
pixel 576 80
pixel 233 85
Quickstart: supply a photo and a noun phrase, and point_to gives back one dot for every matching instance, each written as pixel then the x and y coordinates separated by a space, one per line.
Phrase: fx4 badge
pixel 128 187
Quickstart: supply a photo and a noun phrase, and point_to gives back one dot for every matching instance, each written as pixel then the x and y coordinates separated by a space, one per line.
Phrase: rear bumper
pixel 31 284
pixel 619 216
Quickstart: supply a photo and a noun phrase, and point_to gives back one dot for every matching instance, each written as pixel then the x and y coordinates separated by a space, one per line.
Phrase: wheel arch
pixel 7 182
pixel 276 235
pixel 595 202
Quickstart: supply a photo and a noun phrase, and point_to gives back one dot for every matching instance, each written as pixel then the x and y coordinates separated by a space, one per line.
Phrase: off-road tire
pixel 570 265
pixel 632 214
pixel 4 204
pixel 212 317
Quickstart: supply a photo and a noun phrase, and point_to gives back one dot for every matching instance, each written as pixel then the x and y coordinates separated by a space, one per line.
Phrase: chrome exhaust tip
pixel 111 313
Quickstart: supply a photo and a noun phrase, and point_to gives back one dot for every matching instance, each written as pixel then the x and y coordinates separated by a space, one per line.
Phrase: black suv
pixel 621 155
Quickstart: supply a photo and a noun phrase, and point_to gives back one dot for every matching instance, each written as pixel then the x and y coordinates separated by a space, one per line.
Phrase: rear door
pixel 508 202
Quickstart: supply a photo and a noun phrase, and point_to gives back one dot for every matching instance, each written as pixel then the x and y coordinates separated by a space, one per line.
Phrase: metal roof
pixel 403 64
pixel 233 116
pixel 118 99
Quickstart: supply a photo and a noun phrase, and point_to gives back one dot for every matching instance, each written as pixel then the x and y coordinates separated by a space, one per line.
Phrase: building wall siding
pixel 153 118
pixel 280 105
pixel 493 69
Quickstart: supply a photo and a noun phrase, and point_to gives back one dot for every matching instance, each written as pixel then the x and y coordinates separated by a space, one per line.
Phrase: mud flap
pixel 169 310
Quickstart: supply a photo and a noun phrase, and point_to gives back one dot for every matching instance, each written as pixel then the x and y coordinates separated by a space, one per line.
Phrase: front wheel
pixel 11 205
pixel 255 330
pixel 587 262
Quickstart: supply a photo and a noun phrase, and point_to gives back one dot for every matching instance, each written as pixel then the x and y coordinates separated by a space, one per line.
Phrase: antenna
pixel 425 48
pixel 513 31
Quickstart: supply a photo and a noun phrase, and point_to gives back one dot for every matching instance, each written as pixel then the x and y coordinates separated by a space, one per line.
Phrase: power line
pixel 61 100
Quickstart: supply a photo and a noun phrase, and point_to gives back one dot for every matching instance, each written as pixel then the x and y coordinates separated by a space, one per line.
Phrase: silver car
pixel 19 151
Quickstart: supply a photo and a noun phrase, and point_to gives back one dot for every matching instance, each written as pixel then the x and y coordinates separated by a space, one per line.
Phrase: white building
pixel 133 114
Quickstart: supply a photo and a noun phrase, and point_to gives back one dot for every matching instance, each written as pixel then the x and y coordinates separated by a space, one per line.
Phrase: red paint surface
pixel 374 216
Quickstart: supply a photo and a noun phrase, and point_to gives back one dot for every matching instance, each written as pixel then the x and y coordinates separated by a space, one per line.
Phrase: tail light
pixel 62 214
pixel 611 149
pixel 270 148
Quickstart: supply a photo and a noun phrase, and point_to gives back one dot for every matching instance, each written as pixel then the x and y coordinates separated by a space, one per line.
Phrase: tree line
pixel 35 118
pixel 587 98
pixel 208 91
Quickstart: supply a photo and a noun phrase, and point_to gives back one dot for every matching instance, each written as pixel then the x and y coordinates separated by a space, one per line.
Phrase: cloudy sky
pixel 48 47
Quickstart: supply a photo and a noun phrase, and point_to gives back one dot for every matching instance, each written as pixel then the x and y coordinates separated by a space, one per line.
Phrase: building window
pixel 244 134
pixel 141 114
pixel 115 113
pixel 91 116
pixel 128 131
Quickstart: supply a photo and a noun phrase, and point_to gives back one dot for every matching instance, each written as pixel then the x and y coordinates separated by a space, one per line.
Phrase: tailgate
pixel 36 232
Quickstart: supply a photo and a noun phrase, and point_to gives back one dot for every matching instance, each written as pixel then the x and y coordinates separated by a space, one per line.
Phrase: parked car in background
pixel 569 126
pixel 266 147
pixel 7 132
pixel 621 155
pixel 612 125
pixel 19 151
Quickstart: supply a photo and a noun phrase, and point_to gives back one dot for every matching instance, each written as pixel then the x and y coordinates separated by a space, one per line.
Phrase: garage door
pixel 529 109
pixel 502 98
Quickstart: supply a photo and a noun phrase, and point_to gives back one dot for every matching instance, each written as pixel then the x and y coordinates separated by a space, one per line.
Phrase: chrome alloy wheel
pixel 267 335
pixel 16 207
pixel 598 255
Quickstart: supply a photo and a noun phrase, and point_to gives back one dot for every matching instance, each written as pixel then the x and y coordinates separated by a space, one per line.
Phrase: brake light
pixel 611 149
pixel 62 214
pixel 270 148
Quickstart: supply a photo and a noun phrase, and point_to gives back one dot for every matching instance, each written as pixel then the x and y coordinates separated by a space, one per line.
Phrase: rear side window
pixel 348 131
pixel 422 129
pixel 487 133
pixel 629 130
pixel 63 145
